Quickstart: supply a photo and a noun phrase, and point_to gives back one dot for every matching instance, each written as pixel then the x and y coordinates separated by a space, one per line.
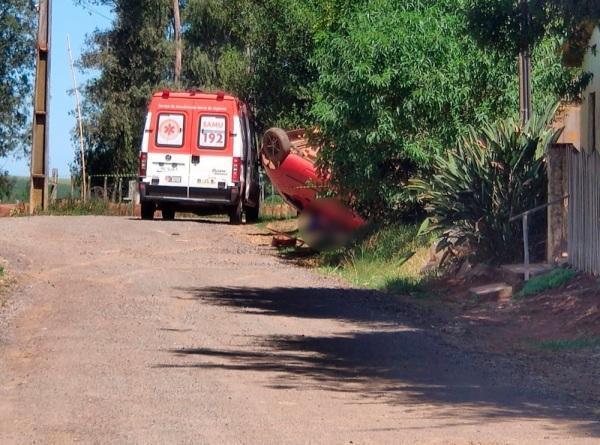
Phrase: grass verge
pixel 570 344
pixel 553 279
pixel 76 207
pixel 389 258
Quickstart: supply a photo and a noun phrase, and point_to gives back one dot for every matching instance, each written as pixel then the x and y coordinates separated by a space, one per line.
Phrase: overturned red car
pixel 289 161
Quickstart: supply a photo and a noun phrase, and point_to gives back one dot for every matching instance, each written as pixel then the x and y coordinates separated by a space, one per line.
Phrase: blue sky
pixel 67 18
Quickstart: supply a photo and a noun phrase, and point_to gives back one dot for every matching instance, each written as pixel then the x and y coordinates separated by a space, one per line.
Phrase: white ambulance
pixel 199 155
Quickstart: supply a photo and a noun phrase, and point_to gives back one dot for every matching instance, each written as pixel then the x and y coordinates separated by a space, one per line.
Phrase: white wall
pixel 591 63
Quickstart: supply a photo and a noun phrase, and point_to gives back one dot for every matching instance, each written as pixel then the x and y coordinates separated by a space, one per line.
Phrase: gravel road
pixel 152 332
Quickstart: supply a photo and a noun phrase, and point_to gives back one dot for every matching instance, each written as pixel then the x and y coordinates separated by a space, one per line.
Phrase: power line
pixel 93 11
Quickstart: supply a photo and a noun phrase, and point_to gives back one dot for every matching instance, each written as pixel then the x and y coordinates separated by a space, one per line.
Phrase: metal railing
pixel 116 188
pixel 525 217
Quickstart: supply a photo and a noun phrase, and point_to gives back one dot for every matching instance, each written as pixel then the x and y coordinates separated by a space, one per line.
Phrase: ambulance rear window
pixel 170 130
pixel 213 132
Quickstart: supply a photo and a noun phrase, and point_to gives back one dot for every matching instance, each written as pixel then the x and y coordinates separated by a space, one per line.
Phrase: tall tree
pixel 17 25
pixel 499 23
pixel 134 58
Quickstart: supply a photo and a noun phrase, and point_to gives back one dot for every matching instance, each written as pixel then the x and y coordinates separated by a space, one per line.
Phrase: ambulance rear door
pixel 211 162
pixel 169 152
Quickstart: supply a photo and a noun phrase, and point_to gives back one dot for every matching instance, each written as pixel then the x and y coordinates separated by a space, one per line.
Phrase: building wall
pixel 584 175
pixel 591 63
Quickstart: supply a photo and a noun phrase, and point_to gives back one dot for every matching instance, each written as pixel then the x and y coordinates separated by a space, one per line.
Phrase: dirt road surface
pixel 126 331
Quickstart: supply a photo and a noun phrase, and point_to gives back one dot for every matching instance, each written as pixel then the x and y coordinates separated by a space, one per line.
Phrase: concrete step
pixel 492 292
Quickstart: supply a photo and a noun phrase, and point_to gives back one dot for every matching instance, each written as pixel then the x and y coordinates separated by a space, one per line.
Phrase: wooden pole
pixel 82 151
pixel 38 191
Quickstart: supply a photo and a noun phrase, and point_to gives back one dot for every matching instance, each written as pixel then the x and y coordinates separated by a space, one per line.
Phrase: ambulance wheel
pixel 168 214
pixel 275 147
pixel 252 214
pixel 235 213
pixel 147 210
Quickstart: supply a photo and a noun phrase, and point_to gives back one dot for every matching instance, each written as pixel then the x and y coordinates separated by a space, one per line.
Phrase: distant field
pixel 20 191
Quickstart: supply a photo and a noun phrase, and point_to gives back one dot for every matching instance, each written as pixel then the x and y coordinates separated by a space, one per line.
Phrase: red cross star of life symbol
pixel 169 129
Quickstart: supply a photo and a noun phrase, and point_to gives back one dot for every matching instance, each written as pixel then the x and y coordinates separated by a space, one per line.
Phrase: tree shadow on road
pixel 380 357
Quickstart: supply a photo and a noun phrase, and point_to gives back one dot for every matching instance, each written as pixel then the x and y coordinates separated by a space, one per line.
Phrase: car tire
pixel 147 210
pixel 275 147
pixel 168 214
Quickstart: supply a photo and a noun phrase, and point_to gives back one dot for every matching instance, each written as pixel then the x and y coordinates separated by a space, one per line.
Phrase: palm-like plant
pixel 492 175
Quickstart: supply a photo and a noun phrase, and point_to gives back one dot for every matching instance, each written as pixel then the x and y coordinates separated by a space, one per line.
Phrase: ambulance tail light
pixel 236 170
pixel 143 163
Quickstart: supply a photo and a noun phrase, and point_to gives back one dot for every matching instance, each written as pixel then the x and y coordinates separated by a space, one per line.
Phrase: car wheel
pixel 147 210
pixel 168 214
pixel 275 147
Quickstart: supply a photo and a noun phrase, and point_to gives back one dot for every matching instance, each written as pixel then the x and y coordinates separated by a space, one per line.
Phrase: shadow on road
pixel 381 357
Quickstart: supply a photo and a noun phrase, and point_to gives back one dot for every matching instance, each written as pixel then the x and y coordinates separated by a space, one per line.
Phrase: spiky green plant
pixel 492 175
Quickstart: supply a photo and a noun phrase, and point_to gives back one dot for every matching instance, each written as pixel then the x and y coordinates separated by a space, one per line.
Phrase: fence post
pixel 526 245
pixel 105 189
pixel 120 189
pixel 87 190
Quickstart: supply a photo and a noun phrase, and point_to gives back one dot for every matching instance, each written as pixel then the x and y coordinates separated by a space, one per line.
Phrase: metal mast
pixel 79 121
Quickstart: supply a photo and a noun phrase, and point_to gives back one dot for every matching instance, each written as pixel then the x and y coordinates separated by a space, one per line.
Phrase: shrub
pixel 492 175
pixel 7 185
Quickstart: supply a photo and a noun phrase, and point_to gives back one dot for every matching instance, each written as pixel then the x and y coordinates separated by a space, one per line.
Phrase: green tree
pixel 17 24
pixel 398 83
pixel 258 50
pixel 134 59
pixel 510 25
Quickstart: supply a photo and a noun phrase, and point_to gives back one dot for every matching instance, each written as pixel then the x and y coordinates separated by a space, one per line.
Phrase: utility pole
pixel 82 151
pixel 525 66
pixel 177 36
pixel 38 191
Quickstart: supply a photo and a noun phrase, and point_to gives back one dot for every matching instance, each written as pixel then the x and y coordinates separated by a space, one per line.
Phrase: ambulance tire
pixel 252 214
pixel 235 213
pixel 168 214
pixel 147 210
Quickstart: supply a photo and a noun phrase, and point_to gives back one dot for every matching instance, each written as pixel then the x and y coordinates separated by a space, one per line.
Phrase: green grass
pixel 20 191
pixel 1 271
pixel 570 344
pixel 388 259
pixel 75 207
pixel 273 199
pixel 553 279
